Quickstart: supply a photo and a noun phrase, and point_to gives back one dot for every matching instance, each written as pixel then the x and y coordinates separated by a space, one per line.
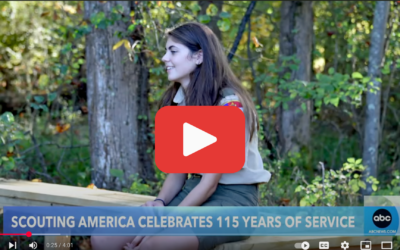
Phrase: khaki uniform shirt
pixel 253 170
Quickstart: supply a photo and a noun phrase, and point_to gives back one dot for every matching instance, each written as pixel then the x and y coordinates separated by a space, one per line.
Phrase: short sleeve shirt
pixel 253 171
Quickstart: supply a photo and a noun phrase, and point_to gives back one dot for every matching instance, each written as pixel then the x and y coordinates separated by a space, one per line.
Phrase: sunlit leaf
pixel 256 42
pixel 385 70
pixel 303 202
pixel 335 101
pixel 61 128
pixel 362 184
pixel 119 44
pixel 355 187
pixel 132 27
pixel 91 186
pixel 212 10
pixel 127 45
pixel 356 75
pixel 195 7
pixel 298 189
pixel 224 24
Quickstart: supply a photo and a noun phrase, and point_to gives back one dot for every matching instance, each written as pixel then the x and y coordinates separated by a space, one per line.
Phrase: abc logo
pixel 382 218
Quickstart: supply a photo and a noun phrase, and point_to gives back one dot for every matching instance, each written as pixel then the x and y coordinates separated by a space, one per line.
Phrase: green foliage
pixel 21 154
pixel 224 24
pixel 194 6
pixel 204 19
pixel 396 242
pixel 10 136
pixel 329 88
pixel 336 187
pixel 43 51
pixel 393 188
pixel 288 185
pixel 138 187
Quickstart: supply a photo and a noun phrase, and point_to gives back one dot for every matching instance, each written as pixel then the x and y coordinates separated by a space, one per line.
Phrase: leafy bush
pixel 331 188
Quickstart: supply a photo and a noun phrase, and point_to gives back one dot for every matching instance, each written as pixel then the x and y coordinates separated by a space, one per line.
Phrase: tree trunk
pixel 295 39
pixel 144 143
pixel 373 101
pixel 214 19
pixel 112 85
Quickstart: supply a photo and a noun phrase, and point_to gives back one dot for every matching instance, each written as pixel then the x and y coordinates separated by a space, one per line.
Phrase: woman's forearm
pixel 202 191
pixel 172 185
pixel 197 196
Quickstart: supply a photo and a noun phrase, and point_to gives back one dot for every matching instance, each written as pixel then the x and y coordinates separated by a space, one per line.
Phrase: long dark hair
pixel 211 76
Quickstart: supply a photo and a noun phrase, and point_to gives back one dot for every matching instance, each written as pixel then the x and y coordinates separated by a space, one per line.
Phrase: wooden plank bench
pixel 26 193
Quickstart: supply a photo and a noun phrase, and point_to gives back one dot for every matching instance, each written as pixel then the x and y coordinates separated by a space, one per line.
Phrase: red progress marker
pixel 29 234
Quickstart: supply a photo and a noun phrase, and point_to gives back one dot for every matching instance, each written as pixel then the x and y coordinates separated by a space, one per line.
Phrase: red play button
pixel 200 139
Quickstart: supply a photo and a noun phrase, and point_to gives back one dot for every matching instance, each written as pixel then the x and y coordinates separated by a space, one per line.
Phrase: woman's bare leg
pixel 110 242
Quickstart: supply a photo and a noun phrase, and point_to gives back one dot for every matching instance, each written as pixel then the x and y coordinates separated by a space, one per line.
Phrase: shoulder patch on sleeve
pixel 235 104
pixel 231 100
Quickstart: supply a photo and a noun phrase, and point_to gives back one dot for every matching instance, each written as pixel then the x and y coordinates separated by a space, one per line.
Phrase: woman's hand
pixel 153 211
pixel 156 203
pixel 135 242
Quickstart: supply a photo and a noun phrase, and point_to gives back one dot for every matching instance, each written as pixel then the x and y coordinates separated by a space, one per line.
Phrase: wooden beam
pixel 26 193
pixel 8 201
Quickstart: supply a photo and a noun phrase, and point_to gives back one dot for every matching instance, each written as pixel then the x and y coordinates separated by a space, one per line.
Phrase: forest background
pixel 80 84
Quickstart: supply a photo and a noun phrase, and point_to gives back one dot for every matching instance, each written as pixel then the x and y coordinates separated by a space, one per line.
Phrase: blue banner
pixel 252 221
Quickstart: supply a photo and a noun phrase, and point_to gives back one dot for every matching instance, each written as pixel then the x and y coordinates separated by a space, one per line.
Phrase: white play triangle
pixel 195 139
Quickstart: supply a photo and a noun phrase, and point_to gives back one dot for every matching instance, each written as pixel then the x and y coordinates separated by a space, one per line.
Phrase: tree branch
pixel 52 143
pixel 59 168
pixel 40 155
pixel 45 175
pixel 323 181
pixel 242 27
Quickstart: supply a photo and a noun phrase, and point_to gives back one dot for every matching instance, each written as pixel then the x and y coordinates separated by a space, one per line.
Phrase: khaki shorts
pixel 225 195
